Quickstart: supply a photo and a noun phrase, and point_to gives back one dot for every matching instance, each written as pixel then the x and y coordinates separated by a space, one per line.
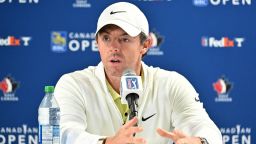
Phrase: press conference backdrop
pixel 210 42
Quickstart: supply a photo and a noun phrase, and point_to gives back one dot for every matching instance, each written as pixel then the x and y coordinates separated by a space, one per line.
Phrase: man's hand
pixel 125 134
pixel 179 137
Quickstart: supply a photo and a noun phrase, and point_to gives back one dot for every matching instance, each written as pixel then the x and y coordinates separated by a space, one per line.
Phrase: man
pixel 91 109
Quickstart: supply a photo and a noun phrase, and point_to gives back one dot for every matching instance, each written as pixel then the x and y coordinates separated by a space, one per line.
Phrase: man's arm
pixel 125 134
pixel 72 115
pixel 189 116
pixel 179 137
pixel 73 118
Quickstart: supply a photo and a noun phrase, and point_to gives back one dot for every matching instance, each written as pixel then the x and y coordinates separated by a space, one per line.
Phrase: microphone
pixel 130 91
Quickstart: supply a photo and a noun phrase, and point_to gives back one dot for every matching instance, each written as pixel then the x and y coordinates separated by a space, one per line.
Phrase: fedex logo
pixel 132 83
pixel 224 42
pixel 13 41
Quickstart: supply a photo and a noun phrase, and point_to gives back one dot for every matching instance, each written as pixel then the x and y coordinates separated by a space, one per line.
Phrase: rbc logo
pixel 132 83
pixel 200 3
pixel 63 41
pixel 59 41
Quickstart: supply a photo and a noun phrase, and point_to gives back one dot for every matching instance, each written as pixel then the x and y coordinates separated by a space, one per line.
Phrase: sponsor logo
pixel 20 1
pixel 223 87
pixel 157 40
pixel 236 134
pixel 14 41
pixel 59 41
pixel 223 42
pixel 81 4
pixel 144 119
pixel 21 134
pixel 63 41
pixel 132 83
pixel 8 86
pixel 204 3
pixel 200 3
pixel 114 12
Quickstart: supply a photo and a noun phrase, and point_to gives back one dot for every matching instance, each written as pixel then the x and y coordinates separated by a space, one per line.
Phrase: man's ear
pixel 96 37
pixel 146 45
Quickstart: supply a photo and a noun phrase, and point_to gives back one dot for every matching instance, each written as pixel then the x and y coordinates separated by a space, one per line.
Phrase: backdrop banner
pixel 210 42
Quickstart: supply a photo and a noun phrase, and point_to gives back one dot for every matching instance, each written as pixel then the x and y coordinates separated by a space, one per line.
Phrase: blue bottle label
pixel 49 134
pixel 56 134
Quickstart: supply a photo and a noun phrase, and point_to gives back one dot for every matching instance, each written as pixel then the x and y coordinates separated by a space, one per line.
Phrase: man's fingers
pixel 126 132
pixel 175 135
pixel 135 140
pixel 164 133
pixel 130 123
pixel 167 134
pixel 133 130
pixel 179 133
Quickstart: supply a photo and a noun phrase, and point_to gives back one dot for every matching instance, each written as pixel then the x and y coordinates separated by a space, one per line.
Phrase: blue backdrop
pixel 210 42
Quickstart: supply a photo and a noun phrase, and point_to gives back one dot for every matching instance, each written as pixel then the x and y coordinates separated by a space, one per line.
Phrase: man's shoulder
pixel 88 73
pixel 162 78
pixel 83 72
pixel 160 72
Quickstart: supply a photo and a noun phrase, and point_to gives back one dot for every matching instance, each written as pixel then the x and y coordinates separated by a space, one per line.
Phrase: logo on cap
pixel 114 12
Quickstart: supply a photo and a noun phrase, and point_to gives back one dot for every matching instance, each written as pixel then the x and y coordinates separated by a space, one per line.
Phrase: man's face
pixel 119 51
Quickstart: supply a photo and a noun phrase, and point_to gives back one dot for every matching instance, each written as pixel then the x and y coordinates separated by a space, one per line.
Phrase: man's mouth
pixel 115 61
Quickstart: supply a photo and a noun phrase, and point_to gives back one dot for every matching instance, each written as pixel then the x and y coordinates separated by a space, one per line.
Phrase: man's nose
pixel 115 44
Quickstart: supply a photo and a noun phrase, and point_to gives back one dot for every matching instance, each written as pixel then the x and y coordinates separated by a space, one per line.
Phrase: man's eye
pixel 125 39
pixel 106 38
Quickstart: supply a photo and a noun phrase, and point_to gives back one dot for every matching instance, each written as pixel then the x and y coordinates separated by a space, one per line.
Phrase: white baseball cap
pixel 125 15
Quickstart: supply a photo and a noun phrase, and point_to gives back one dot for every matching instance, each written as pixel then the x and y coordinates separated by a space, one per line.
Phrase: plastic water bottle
pixel 49 118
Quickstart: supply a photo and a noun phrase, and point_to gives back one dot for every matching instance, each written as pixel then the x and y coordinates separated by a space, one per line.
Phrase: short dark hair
pixel 142 35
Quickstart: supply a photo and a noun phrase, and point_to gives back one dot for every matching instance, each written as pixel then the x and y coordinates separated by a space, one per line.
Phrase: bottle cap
pixel 48 89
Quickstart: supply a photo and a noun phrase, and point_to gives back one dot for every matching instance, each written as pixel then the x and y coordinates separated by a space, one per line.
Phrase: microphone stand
pixel 133 105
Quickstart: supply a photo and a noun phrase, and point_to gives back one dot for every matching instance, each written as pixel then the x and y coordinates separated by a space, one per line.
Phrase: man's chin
pixel 114 71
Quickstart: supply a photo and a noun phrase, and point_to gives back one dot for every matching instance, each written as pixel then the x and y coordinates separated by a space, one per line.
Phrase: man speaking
pixel 167 111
